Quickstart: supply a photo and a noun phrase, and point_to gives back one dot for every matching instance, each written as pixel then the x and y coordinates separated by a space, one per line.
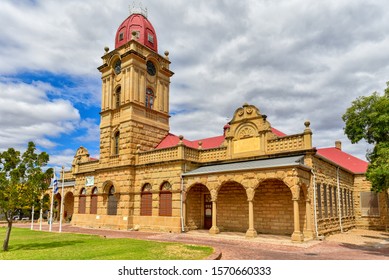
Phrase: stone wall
pixel 273 208
pixel 156 175
pixel 329 204
pixel 232 208
pixel 380 222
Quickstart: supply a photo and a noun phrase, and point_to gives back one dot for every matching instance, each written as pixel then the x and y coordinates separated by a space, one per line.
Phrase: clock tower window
pixel 117 97
pixel 149 98
pixel 116 143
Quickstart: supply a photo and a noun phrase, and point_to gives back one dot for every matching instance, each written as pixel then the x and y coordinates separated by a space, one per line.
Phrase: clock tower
pixel 135 92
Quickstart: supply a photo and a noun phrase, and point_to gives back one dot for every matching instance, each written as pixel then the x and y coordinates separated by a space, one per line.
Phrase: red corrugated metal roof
pixel 277 132
pixel 172 140
pixel 343 159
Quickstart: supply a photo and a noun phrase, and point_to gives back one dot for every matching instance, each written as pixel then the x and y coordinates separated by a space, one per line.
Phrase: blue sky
pixel 295 60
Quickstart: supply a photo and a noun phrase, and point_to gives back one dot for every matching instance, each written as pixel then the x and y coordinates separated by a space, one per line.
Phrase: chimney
pixel 338 144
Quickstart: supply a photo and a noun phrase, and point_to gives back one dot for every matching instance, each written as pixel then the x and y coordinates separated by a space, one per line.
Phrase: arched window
pixel 93 201
pixel 146 201
pixel 116 141
pixel 82 201
pixel 149 98
pixel 117 97
pixel 112 201
pixel 165 200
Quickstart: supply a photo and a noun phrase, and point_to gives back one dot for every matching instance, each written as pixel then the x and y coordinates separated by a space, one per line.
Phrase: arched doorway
pixel 112 202
pixel 232 208
pixel 198 208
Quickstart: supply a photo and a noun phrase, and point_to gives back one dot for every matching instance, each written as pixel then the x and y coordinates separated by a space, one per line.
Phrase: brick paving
pixel 353 245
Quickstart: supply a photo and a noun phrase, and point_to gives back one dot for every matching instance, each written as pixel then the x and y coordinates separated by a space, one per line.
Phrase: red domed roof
pixel 141 25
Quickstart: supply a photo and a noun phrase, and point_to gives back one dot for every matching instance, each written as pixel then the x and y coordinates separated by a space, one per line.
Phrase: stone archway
pixel 196 215
pixel 232 207
pixel 273 208
pixel 68 207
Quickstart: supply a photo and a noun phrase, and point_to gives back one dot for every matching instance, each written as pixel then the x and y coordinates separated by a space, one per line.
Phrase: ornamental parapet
pixel 68 175
pixel 215 154
pixel 181 152
pixel 286 143
pixel 88 166
pixel 159 155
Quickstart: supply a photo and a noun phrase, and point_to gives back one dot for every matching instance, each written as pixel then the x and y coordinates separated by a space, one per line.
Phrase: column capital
pixel 214 194
pixel 250 192
pixel 295 192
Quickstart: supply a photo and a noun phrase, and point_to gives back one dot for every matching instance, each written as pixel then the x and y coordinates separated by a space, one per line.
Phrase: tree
pixel 22 182
pixel 368 119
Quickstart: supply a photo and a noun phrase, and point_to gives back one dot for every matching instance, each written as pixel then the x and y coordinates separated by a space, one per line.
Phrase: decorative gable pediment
pixel 248 131
pixel 247 122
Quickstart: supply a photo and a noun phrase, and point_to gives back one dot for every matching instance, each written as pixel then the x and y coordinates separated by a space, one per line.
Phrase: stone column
pixel 308 233
pixel 214 229
pixel 251 232
pixel 297 235
pixel 184 218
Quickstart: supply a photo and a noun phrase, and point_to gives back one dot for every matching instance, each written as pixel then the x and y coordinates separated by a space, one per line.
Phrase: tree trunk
pixel 7 235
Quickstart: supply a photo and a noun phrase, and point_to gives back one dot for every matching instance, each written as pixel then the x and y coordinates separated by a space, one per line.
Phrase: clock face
pixel 151 68
pixel 118 67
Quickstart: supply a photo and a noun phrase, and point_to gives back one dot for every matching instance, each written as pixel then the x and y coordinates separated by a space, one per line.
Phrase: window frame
pixel 146 200
pixel 82 202
pixel 165 200
pixel 93 201
pixel 149 98
pixel 112 203
pixel 366 211
pixel 116 143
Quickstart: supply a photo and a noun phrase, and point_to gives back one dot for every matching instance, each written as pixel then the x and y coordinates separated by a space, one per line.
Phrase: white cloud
pixel 92 130
pixel 63 158
pixel 294 60
pixel 28 115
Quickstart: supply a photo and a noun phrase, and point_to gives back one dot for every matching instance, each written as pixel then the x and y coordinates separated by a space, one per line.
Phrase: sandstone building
pixel 252 179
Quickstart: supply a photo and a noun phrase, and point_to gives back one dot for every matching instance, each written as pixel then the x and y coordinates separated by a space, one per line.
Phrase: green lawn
pixel 26 244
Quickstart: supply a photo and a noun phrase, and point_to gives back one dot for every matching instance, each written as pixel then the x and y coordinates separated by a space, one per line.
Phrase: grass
pixel 26 244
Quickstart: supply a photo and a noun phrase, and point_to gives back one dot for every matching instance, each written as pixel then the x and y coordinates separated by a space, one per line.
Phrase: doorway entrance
pixel 207 211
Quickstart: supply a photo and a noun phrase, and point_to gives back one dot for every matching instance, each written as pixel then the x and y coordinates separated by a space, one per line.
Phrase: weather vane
pixel 136 8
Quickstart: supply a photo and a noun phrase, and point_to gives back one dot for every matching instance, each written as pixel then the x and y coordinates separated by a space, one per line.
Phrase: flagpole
pixel 52 202
pixel 32 218
pixel 62 200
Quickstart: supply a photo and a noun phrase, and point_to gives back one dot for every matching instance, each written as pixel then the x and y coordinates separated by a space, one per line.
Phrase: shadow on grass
pixel 43 246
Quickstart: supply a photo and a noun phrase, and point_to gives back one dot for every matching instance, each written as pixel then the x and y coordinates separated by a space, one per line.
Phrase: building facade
pixel 252 179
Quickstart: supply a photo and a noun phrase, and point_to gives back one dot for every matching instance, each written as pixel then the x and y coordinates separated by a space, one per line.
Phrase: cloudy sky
pixel 294 59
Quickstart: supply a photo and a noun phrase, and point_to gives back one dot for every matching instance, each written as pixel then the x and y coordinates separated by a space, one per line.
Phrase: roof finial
pixel 138 9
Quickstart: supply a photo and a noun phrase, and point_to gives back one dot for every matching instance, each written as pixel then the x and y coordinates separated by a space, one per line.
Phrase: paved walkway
pixel 353 245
